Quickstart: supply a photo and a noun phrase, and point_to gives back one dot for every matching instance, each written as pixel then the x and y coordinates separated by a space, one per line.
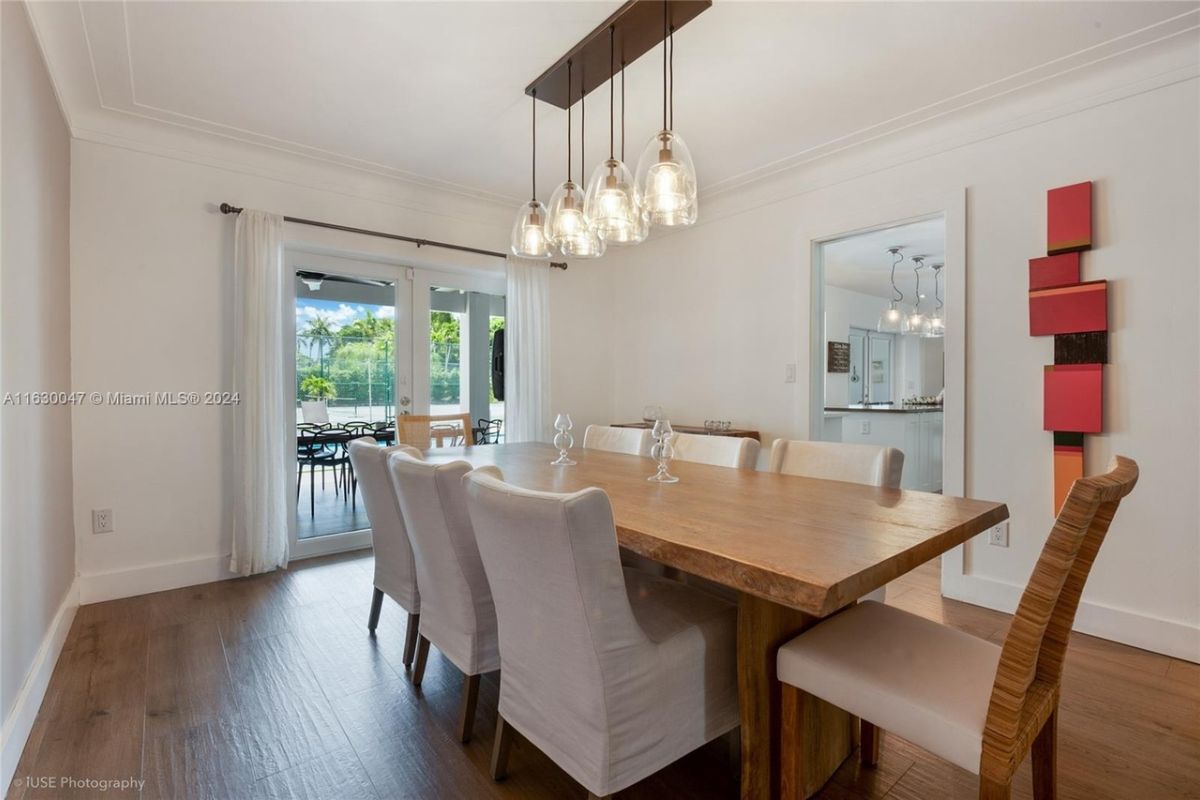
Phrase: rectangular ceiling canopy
pixel 637 28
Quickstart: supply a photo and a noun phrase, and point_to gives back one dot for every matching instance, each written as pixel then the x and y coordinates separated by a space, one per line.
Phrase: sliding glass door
pixel 350 376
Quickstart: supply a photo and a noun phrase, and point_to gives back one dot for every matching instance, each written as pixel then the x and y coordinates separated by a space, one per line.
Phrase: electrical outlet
pixel 998 535
pixel 864 427
pixel 789 373
pixel 102 520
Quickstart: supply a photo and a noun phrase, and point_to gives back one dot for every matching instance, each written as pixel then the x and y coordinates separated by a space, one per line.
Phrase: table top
pixel 810 544
pixel 744 433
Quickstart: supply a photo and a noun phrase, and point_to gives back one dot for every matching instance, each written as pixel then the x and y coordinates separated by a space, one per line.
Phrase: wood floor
pixel 270 687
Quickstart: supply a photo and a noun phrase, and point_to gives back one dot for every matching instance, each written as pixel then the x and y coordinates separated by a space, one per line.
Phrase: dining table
pixel 796 550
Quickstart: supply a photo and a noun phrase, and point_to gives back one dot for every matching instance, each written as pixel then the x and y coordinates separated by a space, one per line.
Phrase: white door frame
pixel 952 207
pixel 299 257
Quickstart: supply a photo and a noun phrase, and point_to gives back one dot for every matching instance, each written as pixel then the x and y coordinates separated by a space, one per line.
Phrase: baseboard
pixel 29 699
pixel 98 587
pixel 1168 637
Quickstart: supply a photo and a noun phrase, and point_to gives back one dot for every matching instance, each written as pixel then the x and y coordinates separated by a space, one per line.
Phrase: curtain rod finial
pixel 225 208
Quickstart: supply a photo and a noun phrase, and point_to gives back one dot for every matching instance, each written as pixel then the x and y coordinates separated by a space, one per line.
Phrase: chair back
pixel 456 602
pixel 424 431
pixel 837 461
pixel 395 569
pixel 560 642
pixel 720 451
pixel 315 411
pixel 1031 659
pixel 487 431
pixel 631 441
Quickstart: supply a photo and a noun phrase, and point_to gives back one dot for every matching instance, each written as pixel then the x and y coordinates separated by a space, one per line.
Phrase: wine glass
pixel 662 451
pixel 563 440
pixel 650 414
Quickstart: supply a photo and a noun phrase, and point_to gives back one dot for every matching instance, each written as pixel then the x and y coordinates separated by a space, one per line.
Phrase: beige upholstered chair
pixel 836 461
pixel 631 441
pixel 720 451
pixel 611 672
pixel 977 705
pixel 457 614
pixel 395 570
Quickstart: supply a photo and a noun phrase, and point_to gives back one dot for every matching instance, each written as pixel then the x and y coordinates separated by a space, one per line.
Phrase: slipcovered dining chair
pixel 978 705
pixel 457 614
pixel 719 451
pixel 395 569
pixel 610 672
pixel 836 461
pixel 631 441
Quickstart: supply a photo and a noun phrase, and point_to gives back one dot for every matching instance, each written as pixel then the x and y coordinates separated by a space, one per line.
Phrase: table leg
pixel 826 731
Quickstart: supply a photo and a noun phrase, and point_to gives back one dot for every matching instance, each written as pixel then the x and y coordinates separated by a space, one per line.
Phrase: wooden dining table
pixel 795 549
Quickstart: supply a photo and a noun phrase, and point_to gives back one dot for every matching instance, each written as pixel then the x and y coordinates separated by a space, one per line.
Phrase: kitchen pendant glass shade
pixel 891 320
pixel 935 326
pixel 914 323
pixel 568 228
pixel 613 204
pixel 666 179
pixel 529 231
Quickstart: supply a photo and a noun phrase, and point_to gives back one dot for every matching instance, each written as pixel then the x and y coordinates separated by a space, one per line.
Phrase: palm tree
pixel 318 332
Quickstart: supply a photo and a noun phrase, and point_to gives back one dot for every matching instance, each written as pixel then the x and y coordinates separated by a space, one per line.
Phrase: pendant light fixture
pixel 935 327
pixel 914 323
pixel 613 202
pixel 892 319
pixel 529 232
pixel 567 227
pixel 665 174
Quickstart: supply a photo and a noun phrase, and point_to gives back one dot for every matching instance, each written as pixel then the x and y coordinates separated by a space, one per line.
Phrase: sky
pixel 337 314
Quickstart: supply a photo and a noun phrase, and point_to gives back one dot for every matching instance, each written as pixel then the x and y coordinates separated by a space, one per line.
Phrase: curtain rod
pixel 228 209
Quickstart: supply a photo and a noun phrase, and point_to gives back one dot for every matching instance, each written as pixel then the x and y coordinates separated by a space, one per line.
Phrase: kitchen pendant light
pixel 666 176
pixel 567 227
pixel 529 233
pixel 892 319
pixel 935 327
pixel 613 202
pixel 914 323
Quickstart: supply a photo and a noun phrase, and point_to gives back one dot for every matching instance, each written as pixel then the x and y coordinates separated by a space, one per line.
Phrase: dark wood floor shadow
pixel 271 687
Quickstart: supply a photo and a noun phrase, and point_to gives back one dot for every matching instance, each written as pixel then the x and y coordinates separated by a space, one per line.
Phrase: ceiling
pixel 433 92
pixel 862 263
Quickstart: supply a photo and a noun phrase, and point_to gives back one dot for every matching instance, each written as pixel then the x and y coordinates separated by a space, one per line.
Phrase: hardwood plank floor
pixel 270 687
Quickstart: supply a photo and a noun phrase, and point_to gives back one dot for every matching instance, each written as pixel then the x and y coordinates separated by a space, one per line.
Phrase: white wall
pixel 738 310
pixel 150 308
pixel 37 544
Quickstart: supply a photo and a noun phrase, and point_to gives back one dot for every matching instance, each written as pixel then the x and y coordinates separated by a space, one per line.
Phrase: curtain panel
pixel 260 463
pixel 527 352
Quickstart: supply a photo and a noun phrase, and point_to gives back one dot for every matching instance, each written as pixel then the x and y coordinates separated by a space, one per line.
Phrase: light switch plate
pixel 789 373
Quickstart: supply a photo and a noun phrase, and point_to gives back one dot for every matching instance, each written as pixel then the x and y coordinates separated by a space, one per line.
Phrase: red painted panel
pixel 1081 308
pixel 1069 218
pixel 1073 398
pixel 1050 271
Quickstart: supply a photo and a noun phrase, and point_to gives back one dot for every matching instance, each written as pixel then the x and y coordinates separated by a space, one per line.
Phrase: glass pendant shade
pixel 529 231
pixel 666 179
pixel 568 228
pixel 935 326
pixel 613 204
pixel 892 320
pixel 914 323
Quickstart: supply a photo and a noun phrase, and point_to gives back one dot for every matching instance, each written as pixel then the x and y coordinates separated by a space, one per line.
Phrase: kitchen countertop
pixel 884 408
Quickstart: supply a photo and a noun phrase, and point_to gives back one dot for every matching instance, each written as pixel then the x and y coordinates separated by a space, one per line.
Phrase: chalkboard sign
pixel 838 357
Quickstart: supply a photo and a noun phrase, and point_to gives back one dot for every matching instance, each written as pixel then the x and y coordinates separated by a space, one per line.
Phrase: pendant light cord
pixel 533 160
pixel 569 122
pixel 895 290
pixel 920 262
pixel 671 118
pixel 611 105
pixel 582 130
pixel 622 110
pixel 665 65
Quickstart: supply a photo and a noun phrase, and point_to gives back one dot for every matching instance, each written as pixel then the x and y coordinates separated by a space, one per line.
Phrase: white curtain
pixel 260 464
pixel 527 416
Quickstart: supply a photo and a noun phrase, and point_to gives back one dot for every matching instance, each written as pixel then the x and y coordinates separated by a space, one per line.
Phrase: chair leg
pixel 994 790
pixel 501 749
pixel 733 752
pixel 376 605
pixel 312 491
pixel 299 480
pixel 422 655
pixel 466 707
pixel 410 639
pixel 1045 758
pixel 869 751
